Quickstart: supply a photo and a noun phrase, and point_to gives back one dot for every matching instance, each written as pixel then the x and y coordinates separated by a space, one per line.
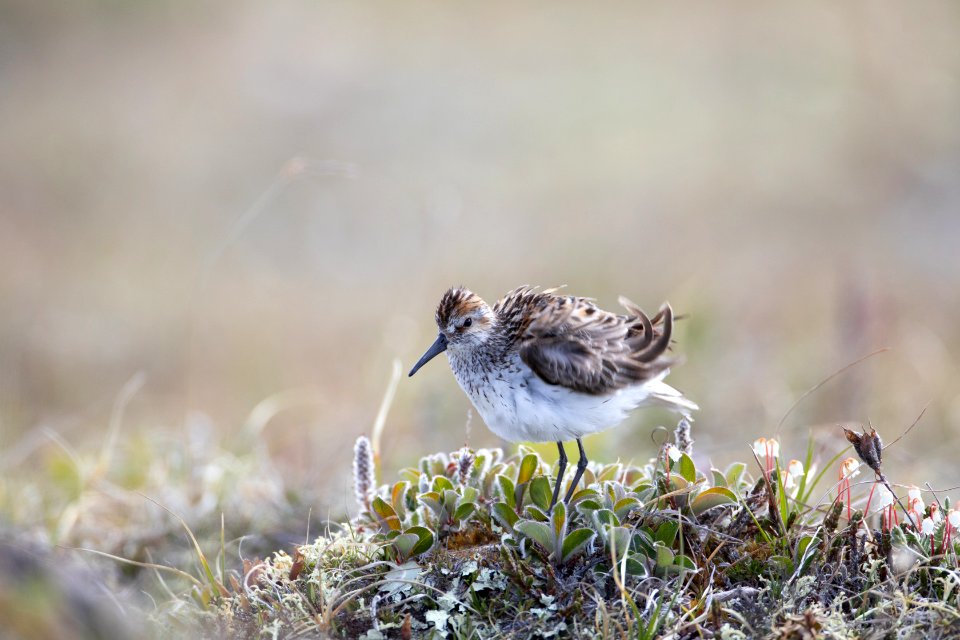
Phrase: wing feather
pixel 569 341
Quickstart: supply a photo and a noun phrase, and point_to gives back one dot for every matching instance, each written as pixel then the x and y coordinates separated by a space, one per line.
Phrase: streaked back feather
pixel 569 341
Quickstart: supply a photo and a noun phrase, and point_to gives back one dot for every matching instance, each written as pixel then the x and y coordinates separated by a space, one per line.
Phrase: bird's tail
pixel 666 396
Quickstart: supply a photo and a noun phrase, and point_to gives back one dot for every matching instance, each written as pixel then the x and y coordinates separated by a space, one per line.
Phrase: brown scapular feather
pixel 569 341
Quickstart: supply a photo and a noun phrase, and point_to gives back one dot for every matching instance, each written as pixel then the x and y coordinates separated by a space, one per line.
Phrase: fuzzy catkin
pixel 464 465
pixel 364 479
pixel 682 436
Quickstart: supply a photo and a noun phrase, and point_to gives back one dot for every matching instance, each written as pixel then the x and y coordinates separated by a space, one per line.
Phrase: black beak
pixel 435 349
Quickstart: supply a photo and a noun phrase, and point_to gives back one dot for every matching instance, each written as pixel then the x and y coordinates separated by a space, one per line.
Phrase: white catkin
pixel 682 436
pixel 363 472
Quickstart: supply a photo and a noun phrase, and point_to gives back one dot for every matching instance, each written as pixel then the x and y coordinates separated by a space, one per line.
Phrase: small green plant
pixel 553 535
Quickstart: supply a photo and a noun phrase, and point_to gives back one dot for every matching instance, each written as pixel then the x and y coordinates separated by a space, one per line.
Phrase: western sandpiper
pixel 544 367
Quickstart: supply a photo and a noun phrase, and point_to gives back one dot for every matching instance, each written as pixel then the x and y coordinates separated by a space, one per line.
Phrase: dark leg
pixel 581 465
pixel 561 467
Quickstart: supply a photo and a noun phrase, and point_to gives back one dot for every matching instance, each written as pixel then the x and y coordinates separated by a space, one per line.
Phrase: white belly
pixel 520 407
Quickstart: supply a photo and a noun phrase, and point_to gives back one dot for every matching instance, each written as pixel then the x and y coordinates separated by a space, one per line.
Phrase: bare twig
pixel 825 381
pixel 909 429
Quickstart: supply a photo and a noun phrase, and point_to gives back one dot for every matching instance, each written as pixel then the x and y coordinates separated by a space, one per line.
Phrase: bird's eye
pixel 467 322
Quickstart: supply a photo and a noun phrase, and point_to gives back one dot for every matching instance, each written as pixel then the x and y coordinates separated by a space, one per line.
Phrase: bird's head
pixel 465 322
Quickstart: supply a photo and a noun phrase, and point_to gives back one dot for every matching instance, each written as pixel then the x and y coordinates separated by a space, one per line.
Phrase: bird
pixel 539 366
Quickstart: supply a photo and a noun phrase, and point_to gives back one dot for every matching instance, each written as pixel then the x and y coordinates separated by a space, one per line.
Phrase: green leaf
pixel 710 498
pixel 441 483
pixel 605 518
pixel 539 532
pixel 505 516
pixel 404 545
pixel 588 504
pixel 527 468
pixel 382 509
pixel 782 498
pixel 733 473
pixel 610 492
pixel 667 533
pixel 433 500
pixel 804 544
pixel 665 556
pixel 479 462
pixel 490 477
pixel 588 478
pixel 411 474
pixel 642 541
pixel 397 498
pixel 519 493
pixel 574 542
pixel 450 498
pixel 807 550
pixel 625 505
pixel 687 469
pixel 425 541
pixel 898 537
pixel 558 519
pixel 385 513
pixel 540 492
pixel 464 511
pixel 584 495
pixel 719 480
pixel 677 482
pixel 610 472
pixel 636 566
pixel 507 490
pixel 534 513
pixel 644 490
pixel 619 539
pixel 438 464
pixel 469 494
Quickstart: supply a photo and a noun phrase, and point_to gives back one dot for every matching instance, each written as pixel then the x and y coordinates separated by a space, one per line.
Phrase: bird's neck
pixel 480 359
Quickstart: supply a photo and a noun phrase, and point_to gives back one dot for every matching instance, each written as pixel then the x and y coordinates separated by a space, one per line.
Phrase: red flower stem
pixel 866 509
pixel 846 484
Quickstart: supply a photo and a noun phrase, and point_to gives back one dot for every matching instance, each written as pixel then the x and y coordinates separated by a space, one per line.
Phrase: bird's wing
pixel 569 341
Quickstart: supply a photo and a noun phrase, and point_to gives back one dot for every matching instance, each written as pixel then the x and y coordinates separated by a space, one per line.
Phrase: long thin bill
pixel 435 349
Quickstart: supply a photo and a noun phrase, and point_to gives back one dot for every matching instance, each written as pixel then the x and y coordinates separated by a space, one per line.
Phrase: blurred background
pixel 220 223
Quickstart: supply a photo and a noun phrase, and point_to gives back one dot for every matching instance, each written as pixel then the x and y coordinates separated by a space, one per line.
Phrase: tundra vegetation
pixel 184 538
pixel 463 545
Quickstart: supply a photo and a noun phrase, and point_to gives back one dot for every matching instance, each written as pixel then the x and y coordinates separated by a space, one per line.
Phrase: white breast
pixel 518 406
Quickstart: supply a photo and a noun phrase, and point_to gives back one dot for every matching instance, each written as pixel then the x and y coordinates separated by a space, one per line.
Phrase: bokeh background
pixel 221 222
